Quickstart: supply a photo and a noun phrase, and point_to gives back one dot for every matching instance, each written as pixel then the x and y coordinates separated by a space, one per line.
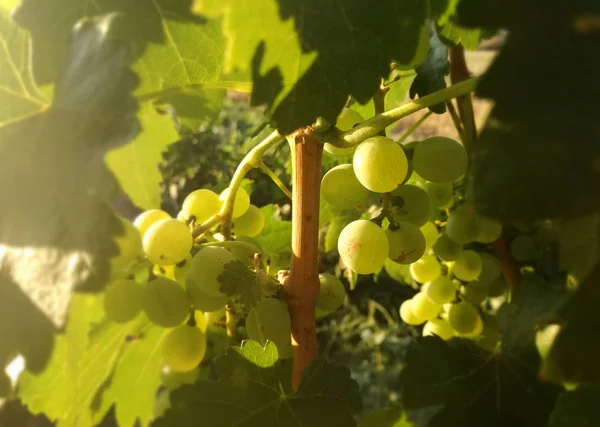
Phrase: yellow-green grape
pixel 398 272
pixel 181 269
pixel 332 293
pixel 427 269
pixel 411 204
pixel 473 292
pixel 440 290
pixel 241 204
pixel 5 385
pixel 341 189
pixel 478 329
pixel 441 194
pixel 414 178
pixel 165 303
pixel 244 248
pixel 431 234
pixel 406 243
pixel 467 266
pixel 440 159
pixel 497 288
pixel 129 244
pixel 217 317
pixel 123 300
pixel 421 53
pixel 491 268
pixel 144 220
pixel 464 318
pixel 424 308
pixel 446 248
pixel 490 336
pixel 167 242
pixel 184 348
pixel 463 225
pixel 522 248
pixel 347 119
pixel 250 224
pixel 407 315
pixel 201 320
pixel 380 164
pixel 204 302
pixel 270 320
pixel 363 246
pixel 167 271
pixel 489 230
pixel 200 205
pixel 438 327
pixel 205 268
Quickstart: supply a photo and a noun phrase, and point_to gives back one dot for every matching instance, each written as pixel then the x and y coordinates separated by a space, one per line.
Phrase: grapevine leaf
pixel 578 408
pixel 453 33
pixel 396 95
pixel 276 239
pixel 431 73
pixel 237 280
pixel 388 417
pixel 254 389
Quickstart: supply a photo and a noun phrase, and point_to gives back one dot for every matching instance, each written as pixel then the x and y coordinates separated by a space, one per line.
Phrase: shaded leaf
pixel 578 408
pixel 238 279
pixel 432 72
pixel 397 94
pixel 275 239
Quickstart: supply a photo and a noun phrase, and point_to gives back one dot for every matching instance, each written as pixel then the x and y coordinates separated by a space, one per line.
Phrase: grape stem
pixel 379 102
pixel 276 180
pixel 416 125
pixel 455 120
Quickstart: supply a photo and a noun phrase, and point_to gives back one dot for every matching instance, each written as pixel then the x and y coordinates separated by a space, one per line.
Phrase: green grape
pixel 241 203
pixel 201 320
pixel 406 243
pixel 411 204
pixel 407 315
pixel 270 320
pixel 398 272
pixel 438 327
pixel 424 308
pixel 244 248
pixel 123 300
pixel 467 266
pixel 332 293
pixel 181 269
pixel 420 54
pixel 183 348
pixel 129 244
pixel 165 303
pixel 346 120
pixel 200 205
pixel 498 287
pixel 341 189
pixel 441 194
pixel 167 242
pixel 144 220
pixel 380 164
pixel 440 290
pixel 217 317
pixel 205 268
pixel 5 385
pixel 427 269
pixel 167 271
pixel 440 159
pixel 473 293
pixel 431 234
pixel 522 248
pixel 490 336
pixel 250 224
pixel 489 230
pixel 446 248
pixel 415 179
pixel 464 318
pixel 204 302
pixel 463 225
pixel 363 246
pixel 478 329
pixel 491 268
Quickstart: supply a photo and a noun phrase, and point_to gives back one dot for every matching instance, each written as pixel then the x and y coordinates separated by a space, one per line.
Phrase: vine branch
pixel 275 179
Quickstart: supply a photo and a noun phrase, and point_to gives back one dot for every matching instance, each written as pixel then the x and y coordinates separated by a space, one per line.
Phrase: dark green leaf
pixel 431 73
pixel 578 408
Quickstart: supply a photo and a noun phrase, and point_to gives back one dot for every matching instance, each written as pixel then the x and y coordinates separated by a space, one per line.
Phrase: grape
pixel 346 120
pixel 241 204
pixel 5 385
pixel 167 241
pixel 489 230
pixel 204 302
pixel 200 205
pixel 446 248
pixel 332 293
pixel 473 293
pixel 380 164
pixel 129 245
pixel 490 336
pixel 421 53
pixel 522 248
pixel 431 234
pixel 341 189
pixel 411 203
pixel 201 320
pixel 440 290
pixel 438 327
pixel 424 308
pixel 491 268
pixel 184 348
pixel 249 224
pixel 406 243
pixel 426 269
pixel 165 303
pixel 407 315
pixel 467 266
pixel 440 159
pixel 167 271
pixel 441 194
pixel 497 288
pixel 123 300
pixel 463 225
pixel 144 220
pixel 270 320
pixel 363 246
pixel 244 248
pixel 398 272
pixel 463 318
pixel 205 268
pixel 181 269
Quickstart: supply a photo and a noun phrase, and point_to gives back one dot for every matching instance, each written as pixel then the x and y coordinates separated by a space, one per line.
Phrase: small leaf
pixel 431 73
pixel 238 280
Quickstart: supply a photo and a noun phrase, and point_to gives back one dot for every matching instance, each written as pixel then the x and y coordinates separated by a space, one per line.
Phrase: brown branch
pixel 458 73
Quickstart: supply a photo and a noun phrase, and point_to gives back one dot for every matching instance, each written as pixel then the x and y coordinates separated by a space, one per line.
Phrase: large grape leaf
pixel 577 408
pixel 254 389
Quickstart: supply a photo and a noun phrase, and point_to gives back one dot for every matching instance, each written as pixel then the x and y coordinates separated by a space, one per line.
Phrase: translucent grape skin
pixel 491 269
pixel 270 320
pixel 363 246
pixel 167 241
pixel 332 293
pixel 426 269
pixel 467 266
pixel 123 300
pixel 380 164
pixel 250 224
pixel 241 203
pixel 406 243
pixel 144 220
pixel 407 315
pixel 441 194
pixel 424 308
pixel 489 230
pixel 522 248
pixel 341 189
pixel 431 234
pixel 347 119
pixel 181 269
pixel 441 290
pixel 438 327
pixel 200 205
pixel 463 225
pixel 411 204
pixel 463 318
pixel 205 268
pixel 184 347
pixel 473 293
pixel 165 302
pixel 446 248
pixel 440 159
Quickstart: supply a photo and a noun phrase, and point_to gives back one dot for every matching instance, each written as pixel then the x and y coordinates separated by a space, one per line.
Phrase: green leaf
pixel 456 34
pixel 398 91
pixel 388 417
pixel 275 239
pixel 238 279
pixel 254 388
pixel 578 408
